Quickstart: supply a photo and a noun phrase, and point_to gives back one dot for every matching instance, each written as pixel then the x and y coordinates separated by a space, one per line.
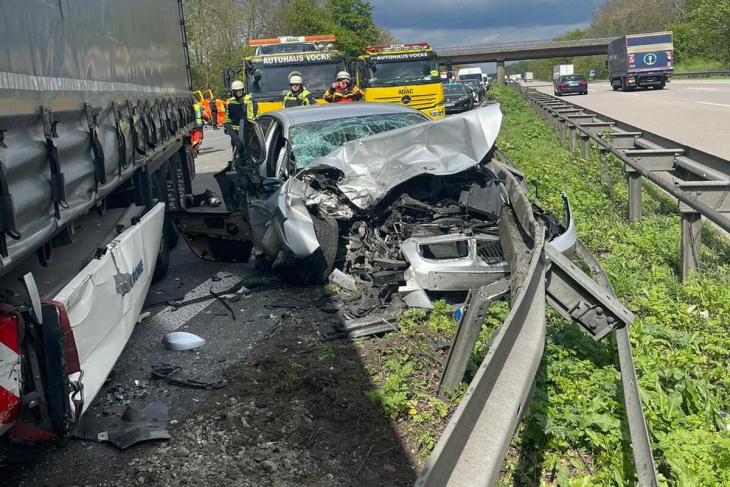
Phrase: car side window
pixel 275 142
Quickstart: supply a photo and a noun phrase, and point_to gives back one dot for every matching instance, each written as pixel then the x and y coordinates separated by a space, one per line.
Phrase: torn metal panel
pixel 104 300
pixel 470 270
pixel 372 166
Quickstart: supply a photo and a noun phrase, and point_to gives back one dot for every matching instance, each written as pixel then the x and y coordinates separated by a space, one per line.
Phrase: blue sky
pixel 474 22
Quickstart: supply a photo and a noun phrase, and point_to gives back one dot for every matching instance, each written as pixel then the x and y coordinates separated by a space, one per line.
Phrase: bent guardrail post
pixel 577 297
pixel 467 332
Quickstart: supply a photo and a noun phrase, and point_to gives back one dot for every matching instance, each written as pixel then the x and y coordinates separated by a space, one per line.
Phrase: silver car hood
pixel 373 166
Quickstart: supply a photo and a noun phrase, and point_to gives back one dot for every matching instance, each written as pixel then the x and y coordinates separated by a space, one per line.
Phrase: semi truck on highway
pixel 641 61
pixel 95 122
pixel 405 73
pixel 267 72
pixel 562 70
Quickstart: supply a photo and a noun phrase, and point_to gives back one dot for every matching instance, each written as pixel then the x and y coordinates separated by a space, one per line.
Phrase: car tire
pixel 659 87
pixel 615 88
pixel 316 268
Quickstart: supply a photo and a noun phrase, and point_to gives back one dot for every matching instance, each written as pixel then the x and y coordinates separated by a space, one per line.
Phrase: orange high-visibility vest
pixel 221 115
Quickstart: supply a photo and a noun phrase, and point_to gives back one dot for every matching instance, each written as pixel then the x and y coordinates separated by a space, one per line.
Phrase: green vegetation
pixel 575 432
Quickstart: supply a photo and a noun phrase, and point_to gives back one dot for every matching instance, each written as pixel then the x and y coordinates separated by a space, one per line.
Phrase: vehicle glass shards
pixel 412 71
pixel 313 140
pixel 454 90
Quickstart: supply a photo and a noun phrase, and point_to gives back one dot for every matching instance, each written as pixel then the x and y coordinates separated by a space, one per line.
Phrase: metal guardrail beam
pixel 473 446
pixel 701 74
pixel 703 191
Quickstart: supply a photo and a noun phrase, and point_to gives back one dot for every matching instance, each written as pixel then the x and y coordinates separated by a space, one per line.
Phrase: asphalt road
pixel 229 339
pixel 694 113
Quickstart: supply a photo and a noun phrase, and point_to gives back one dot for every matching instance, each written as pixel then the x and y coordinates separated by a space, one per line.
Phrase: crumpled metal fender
pixel 290 219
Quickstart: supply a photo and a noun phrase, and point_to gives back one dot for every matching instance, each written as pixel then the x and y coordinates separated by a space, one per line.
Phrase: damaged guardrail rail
pixel 473 446
pixel 699 181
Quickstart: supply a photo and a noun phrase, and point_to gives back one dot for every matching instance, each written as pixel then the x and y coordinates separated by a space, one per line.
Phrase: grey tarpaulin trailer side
pixel 94 99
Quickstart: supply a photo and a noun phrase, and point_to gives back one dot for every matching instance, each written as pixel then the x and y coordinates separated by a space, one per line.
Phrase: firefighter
pixel 343 90
pixel 298 95
pixel 239 108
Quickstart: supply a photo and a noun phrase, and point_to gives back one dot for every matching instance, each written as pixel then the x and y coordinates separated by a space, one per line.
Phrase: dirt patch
pixel 294 413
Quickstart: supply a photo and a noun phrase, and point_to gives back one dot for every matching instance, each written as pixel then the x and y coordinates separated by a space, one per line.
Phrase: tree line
pixel 701 34
pixel 218 31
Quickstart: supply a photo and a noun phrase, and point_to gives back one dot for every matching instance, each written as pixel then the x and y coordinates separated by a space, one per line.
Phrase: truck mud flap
pixel 216 236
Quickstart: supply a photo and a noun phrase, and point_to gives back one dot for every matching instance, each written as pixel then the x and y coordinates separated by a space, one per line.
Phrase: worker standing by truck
pixel 343 90
pixel 298 95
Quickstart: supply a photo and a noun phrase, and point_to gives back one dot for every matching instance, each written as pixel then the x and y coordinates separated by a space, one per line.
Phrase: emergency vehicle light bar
pixel 288 39
pixel 395 47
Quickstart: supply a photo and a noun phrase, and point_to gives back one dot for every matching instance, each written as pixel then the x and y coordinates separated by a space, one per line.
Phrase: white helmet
pixel 343 75
pixel 237 85
pixel 296 79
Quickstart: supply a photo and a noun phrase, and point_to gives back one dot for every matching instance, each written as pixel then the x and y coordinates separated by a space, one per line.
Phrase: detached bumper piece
pixel 129 429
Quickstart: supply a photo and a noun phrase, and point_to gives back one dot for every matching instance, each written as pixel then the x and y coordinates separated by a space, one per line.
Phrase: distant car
pixel 478 88
pixel 571 83
pixel 458 98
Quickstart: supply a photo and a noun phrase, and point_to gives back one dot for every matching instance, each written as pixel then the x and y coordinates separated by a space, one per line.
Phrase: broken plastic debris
pixel 343 280
pixel 176 376
pixel 129 429
pixel 182 340
pixel 143 316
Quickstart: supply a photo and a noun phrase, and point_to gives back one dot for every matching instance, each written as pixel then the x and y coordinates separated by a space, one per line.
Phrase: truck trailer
pixel 96 116
pixel 562 70
pixel 641 61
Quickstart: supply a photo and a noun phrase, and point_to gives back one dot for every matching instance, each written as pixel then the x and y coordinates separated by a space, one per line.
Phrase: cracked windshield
pixel 313 140
pixel 317 77
pixel 398 72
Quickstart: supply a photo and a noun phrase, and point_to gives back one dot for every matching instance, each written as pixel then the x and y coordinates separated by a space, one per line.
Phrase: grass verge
pixel 575 432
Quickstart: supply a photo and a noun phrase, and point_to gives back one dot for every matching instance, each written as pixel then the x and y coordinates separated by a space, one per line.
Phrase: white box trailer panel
pixel 104 300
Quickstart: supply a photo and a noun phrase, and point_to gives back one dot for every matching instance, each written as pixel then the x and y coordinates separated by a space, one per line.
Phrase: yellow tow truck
pixel 405 73
pixel 266 73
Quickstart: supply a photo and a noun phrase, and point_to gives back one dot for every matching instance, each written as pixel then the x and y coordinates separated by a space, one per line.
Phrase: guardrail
pixel 700 181
pixel 701 74
pixel 473 446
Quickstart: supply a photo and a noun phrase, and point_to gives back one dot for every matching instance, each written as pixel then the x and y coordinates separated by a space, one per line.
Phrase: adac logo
pixel 650 59
pixel 405 91
pixel 406 100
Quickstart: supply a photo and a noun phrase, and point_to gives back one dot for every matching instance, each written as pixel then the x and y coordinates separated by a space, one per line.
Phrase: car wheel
pixel 316 268
pixel 659 87
pixel 615 87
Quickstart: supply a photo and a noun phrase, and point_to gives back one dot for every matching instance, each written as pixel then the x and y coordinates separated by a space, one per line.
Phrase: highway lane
pixel 694 113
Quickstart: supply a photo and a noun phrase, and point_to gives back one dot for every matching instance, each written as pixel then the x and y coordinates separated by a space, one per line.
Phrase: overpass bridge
pixel 519 51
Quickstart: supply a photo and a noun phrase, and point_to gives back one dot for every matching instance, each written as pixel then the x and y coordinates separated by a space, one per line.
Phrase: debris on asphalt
pixel 129 429
pixel 343 280
pixel 182 340
pixel 175 375
pixel 163 296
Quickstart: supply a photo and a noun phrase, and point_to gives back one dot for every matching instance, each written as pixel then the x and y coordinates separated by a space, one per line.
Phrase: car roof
pixel 316 113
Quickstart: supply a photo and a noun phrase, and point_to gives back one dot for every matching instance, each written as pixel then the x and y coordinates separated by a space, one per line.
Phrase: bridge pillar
pixel 500 73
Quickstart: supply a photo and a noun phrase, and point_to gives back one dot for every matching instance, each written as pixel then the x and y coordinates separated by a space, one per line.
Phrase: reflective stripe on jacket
pixel 236 110
pixel 304 98
pixel 337 96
